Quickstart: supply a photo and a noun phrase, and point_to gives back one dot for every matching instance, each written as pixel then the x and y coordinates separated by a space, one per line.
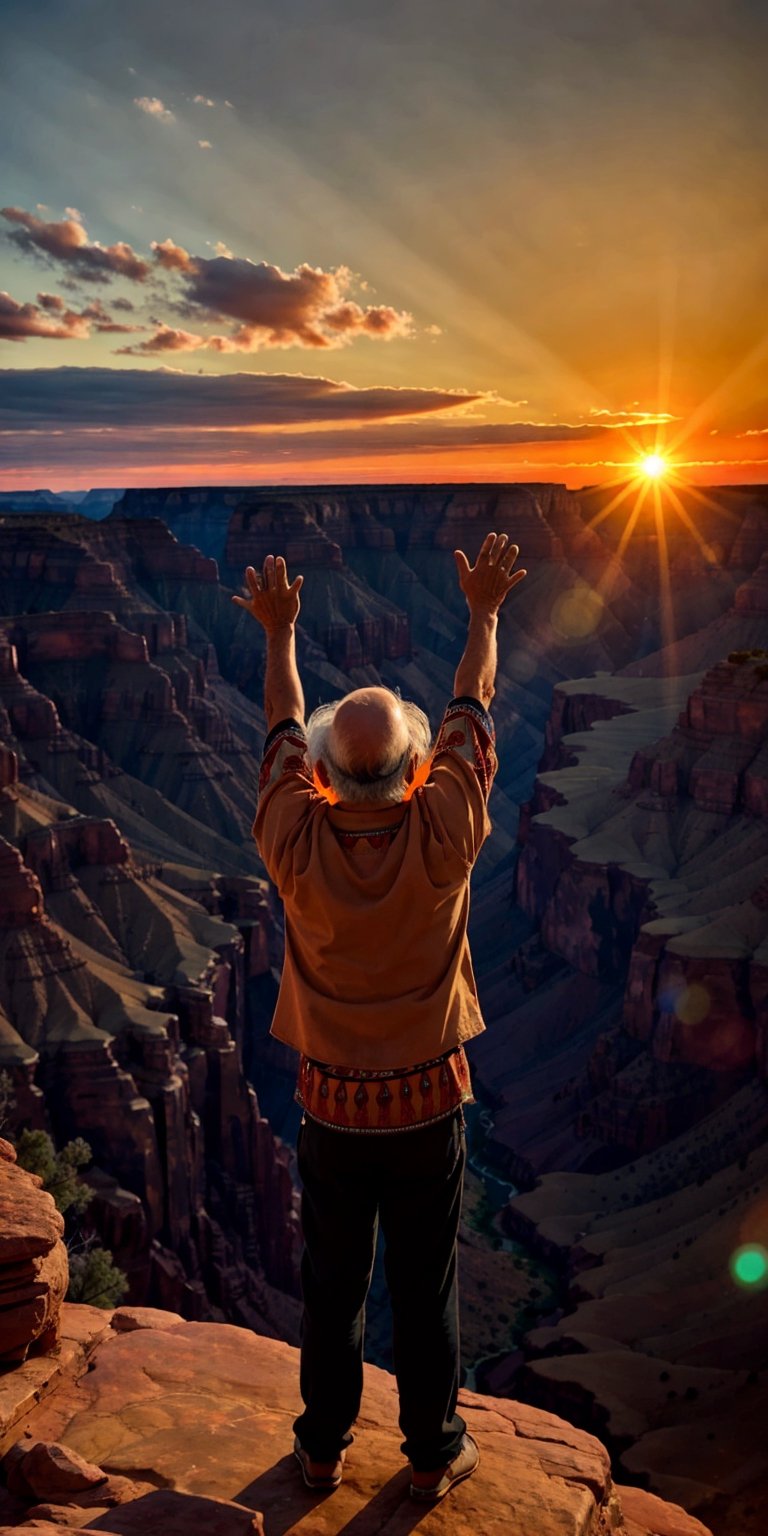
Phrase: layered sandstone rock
pixel 659 1347
pixel 628 1034
pixel 123 1021
pixel 636 1008
pixel 749 545
pixel 197 1202
pixel 739 625
pixel 752 596
pixel 106 685
pixel 719 737
pixel 34 1271
pixel 206 1411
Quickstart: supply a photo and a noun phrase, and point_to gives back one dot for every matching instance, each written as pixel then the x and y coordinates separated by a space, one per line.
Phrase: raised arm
pixel 485 586
pixel 276 605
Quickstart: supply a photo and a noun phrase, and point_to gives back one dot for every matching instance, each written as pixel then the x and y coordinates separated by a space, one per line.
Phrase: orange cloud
pixel 19 322
pixel 66 240
pixel 154 107
pixel 308 307
pixel 173 257
pixel 94 311
pixel 165 339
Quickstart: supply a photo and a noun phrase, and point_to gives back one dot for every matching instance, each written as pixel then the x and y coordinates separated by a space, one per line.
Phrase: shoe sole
pixel 432 1496
pixel 317 1484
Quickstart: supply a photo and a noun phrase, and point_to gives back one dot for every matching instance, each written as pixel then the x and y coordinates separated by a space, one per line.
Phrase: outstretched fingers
pixel 496 556
pixel 462 564
pixel 508 558
pixel 253 583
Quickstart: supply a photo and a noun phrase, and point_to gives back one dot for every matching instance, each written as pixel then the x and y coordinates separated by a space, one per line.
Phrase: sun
pixel 654 466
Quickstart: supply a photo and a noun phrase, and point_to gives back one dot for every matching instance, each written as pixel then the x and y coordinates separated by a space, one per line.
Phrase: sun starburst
pixel 654 465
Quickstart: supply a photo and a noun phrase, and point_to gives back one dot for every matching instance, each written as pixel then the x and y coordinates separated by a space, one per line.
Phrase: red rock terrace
pixel 135 1420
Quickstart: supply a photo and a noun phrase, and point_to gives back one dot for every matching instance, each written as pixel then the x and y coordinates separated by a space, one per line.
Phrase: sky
pixel 337 241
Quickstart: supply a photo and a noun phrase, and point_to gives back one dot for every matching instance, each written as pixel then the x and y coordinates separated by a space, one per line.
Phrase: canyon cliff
pixel 626 1065
pixel 619 915
pixel 133 1419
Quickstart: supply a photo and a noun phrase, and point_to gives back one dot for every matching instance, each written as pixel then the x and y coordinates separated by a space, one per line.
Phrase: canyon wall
pixel 619 920
pixel 625 1062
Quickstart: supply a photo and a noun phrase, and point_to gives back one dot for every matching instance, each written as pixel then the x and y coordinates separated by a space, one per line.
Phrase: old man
pixel 370 834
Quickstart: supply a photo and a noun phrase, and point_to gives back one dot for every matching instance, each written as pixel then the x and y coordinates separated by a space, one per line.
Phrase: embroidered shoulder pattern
pixel 376 837
pixel 467 729
pixel 285 753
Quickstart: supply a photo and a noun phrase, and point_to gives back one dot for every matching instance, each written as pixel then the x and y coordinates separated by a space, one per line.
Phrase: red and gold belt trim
pixel 384 1101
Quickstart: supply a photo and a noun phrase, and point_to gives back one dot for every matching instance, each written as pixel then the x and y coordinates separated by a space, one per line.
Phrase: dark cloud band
pixel 143 398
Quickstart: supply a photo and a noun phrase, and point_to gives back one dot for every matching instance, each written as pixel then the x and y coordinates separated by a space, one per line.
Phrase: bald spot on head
pixel 369 733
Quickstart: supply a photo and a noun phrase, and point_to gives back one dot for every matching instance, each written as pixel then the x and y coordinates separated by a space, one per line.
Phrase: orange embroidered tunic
pixel 377 992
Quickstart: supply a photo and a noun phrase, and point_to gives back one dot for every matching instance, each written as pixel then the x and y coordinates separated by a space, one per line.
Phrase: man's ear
pixel 416 774
pixel 322 773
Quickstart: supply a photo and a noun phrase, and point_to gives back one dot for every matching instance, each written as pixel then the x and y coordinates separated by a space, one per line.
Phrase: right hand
pixel 486 583
pixel 272 601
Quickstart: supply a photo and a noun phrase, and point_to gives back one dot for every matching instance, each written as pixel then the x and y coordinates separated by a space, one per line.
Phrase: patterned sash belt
pixel 384 1101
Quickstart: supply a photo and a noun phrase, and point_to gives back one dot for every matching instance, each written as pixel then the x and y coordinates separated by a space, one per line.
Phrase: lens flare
pixel 692 1004
pixel 577 613
pixel 749 1265
pixel 521 665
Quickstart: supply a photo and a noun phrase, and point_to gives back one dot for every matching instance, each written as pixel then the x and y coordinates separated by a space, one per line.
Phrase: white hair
pixel 387 781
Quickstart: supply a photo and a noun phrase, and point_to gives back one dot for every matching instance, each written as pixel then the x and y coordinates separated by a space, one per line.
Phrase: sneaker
pixel 432 1486
pixel 319 1474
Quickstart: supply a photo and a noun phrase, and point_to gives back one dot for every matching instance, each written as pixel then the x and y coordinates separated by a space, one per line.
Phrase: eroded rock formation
pixel 205 1412
pixel 626 1064
pixel 138 947
pixel 34 1271
pixel 123 1021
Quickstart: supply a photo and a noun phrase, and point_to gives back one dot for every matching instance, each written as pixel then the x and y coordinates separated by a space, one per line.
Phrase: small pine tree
pixel 7 1098
pixel 58 1170
pixel 95 1278
pixel 93 1275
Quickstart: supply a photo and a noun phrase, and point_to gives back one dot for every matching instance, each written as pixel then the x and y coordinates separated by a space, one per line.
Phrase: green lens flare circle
pixel 749 1265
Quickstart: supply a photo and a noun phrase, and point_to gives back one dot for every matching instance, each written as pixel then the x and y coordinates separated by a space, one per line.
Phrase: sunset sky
pixel 333 240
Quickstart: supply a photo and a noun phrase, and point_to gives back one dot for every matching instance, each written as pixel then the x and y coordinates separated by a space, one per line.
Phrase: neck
pixel 368 805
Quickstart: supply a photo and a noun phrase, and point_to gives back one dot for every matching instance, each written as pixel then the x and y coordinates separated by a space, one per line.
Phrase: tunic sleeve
pixel 463 767
pixel 286 796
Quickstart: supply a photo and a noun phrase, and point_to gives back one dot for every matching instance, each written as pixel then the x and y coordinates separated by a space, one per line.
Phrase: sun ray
pixel 668 636
pixel 705 409
pixel 599 517
pixel 606 582
pixel 690 525
pixel 714 506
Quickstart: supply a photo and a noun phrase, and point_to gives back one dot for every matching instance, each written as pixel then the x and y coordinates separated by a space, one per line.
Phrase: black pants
pixel 412 1182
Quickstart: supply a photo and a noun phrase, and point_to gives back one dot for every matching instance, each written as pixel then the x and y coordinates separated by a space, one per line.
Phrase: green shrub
pixel 93 1275
pixel 95 1279
pixel 58 1170
pixel 7 1098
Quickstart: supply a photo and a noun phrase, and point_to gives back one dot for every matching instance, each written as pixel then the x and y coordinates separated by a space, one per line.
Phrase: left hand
pixel 272 601
pixel 489 581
